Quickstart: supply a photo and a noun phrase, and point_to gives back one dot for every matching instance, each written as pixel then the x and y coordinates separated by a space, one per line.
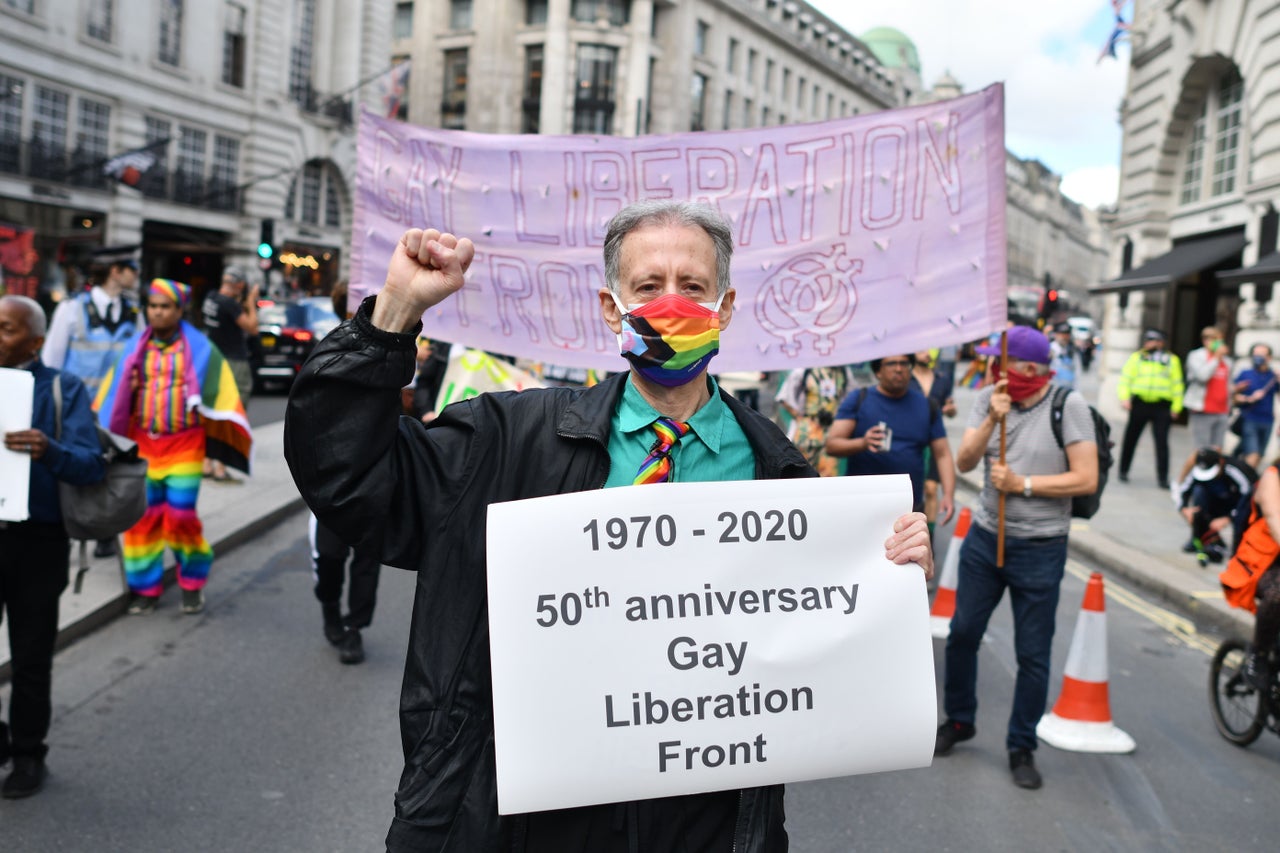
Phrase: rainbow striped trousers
pixel 174 465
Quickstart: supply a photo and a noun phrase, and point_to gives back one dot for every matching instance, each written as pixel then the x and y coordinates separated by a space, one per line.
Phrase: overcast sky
pixel 1060 103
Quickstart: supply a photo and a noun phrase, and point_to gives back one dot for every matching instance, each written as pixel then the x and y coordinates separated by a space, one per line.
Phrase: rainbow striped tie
pixel 657 466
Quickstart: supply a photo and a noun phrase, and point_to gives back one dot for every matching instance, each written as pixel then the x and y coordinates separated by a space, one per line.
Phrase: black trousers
pixel 329 560
pixel 1159 416
pixel 34 568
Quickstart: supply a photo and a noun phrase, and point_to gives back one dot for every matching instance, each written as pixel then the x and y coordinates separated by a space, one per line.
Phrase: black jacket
pixel 420 495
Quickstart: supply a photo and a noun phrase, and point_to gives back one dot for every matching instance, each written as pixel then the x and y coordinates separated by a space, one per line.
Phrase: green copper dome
pixel 892 48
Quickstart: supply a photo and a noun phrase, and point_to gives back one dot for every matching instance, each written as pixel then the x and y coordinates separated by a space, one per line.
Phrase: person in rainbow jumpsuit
pixel 174 394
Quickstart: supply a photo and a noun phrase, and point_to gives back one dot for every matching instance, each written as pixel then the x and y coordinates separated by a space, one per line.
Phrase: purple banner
pixel 855 238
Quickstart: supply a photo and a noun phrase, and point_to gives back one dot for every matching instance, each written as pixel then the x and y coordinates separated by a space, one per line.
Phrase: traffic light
pixel 1049 306
pixel 266 240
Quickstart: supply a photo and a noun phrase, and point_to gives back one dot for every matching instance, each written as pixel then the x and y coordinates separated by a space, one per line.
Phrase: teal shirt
pixel 715 449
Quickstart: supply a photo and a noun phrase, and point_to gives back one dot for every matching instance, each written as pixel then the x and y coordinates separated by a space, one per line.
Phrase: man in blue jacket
pixel 34 554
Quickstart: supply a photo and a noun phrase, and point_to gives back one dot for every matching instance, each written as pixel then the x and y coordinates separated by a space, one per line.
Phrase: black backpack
pixel 1085 506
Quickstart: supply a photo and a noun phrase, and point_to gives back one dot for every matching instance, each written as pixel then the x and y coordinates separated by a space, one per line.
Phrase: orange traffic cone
pixel 1081 721
pixel 944 600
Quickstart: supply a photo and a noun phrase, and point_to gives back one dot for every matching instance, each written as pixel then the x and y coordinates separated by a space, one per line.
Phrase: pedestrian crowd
pixel 403 491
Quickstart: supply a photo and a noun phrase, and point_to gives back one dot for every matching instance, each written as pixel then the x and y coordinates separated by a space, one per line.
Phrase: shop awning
pixel 1265 271
pixel 1182 260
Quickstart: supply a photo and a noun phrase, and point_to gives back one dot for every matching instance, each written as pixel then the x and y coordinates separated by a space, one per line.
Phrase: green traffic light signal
pixel 265 251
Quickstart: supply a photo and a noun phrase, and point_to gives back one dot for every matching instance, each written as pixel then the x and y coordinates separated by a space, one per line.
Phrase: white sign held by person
pixel 16 389
pixel 672 639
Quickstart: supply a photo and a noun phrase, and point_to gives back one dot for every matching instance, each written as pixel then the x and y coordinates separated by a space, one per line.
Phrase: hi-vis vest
pixel 1152 378
pixel 95 344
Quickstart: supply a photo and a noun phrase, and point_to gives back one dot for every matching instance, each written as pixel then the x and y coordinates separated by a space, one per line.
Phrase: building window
pixel 332 203
pixel 725 118
pixel 593 103
pixel 154 183
pixel 93 129
pixel 11 93
pixel 1226 143
pixel 752 56
pixel 300 56
pixel 698 102
pixel 800 89
pixel 28 6
pixel 589 11
pixel 764 116
pixel 531 105
pixel 233 39
pixel 169 48
pixel 453 107
pixel 768 75
pixel 831 105
pixel 731 59
pixel 786 84
pixel 700 35
pixel 748 110
pixel 402 24
pixel 224 173
pixel 312 180
pixel 1216 128
pixel 459 14
pixel 188 173
pixel 49 133
pixel 98 20
pixel 535 12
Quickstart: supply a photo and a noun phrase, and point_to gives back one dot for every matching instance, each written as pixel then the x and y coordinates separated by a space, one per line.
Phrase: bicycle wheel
pixel 1239 711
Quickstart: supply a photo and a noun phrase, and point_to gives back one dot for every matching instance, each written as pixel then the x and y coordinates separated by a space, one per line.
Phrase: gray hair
pixel 36 323
pixel 642 214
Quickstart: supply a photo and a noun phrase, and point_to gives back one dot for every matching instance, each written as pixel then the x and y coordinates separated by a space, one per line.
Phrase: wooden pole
pixel 1004 372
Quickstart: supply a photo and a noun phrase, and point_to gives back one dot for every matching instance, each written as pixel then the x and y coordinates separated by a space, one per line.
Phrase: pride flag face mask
pixel 670 340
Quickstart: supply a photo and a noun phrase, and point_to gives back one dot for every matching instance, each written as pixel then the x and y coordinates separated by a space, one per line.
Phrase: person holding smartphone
pixel 1208 395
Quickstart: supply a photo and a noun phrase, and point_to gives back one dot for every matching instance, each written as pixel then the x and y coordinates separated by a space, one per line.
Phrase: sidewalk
pixel 232 514
pixel 1137 535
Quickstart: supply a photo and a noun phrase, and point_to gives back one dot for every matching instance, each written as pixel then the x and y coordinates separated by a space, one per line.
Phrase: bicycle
pixel 1240 711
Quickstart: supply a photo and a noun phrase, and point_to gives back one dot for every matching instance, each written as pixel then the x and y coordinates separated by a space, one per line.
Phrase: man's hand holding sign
pixel 645 642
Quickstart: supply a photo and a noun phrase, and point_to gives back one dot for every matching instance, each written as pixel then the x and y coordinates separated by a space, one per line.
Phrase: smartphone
pixel 886 443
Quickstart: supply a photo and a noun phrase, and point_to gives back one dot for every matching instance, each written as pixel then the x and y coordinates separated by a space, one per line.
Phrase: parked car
pixel 287 332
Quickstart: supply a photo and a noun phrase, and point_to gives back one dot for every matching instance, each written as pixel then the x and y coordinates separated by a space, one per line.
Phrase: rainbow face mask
pixel 670 340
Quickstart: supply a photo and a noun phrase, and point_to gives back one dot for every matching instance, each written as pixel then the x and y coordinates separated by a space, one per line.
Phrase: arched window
pixel 315 195
pixel 1211 162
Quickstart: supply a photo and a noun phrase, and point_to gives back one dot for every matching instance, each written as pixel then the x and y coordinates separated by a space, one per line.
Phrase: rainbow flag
pixel 208 387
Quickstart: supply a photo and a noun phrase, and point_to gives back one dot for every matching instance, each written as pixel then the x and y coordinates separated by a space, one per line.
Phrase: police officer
pixel 1150 390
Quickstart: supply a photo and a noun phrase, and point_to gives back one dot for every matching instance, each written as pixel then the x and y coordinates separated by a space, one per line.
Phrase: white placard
pixel 678 638
pixel 17 388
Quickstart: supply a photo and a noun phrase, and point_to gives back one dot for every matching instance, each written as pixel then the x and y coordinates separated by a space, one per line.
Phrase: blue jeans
pixel 1254 436
pixel 1033 574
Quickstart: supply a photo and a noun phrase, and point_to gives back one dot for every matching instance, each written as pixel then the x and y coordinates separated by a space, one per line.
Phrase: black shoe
pixel 351 649
pixel 142 605
pixel 1123 477
pixel 334 630
pixel 1023 765
pixel 951 733
pixel 26 779
pixel 1164 484
pixel 4 744
pixel 192 601
pixel 105 548
pixel 1190 547
pixel 1215 552
pixel 1255 672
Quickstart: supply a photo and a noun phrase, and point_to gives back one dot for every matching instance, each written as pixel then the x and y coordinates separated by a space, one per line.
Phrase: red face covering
pixel 1021 386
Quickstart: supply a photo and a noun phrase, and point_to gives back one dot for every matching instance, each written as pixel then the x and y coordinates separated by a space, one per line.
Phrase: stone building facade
pixel 246 106
pixel 630 67
pixel 1194 238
